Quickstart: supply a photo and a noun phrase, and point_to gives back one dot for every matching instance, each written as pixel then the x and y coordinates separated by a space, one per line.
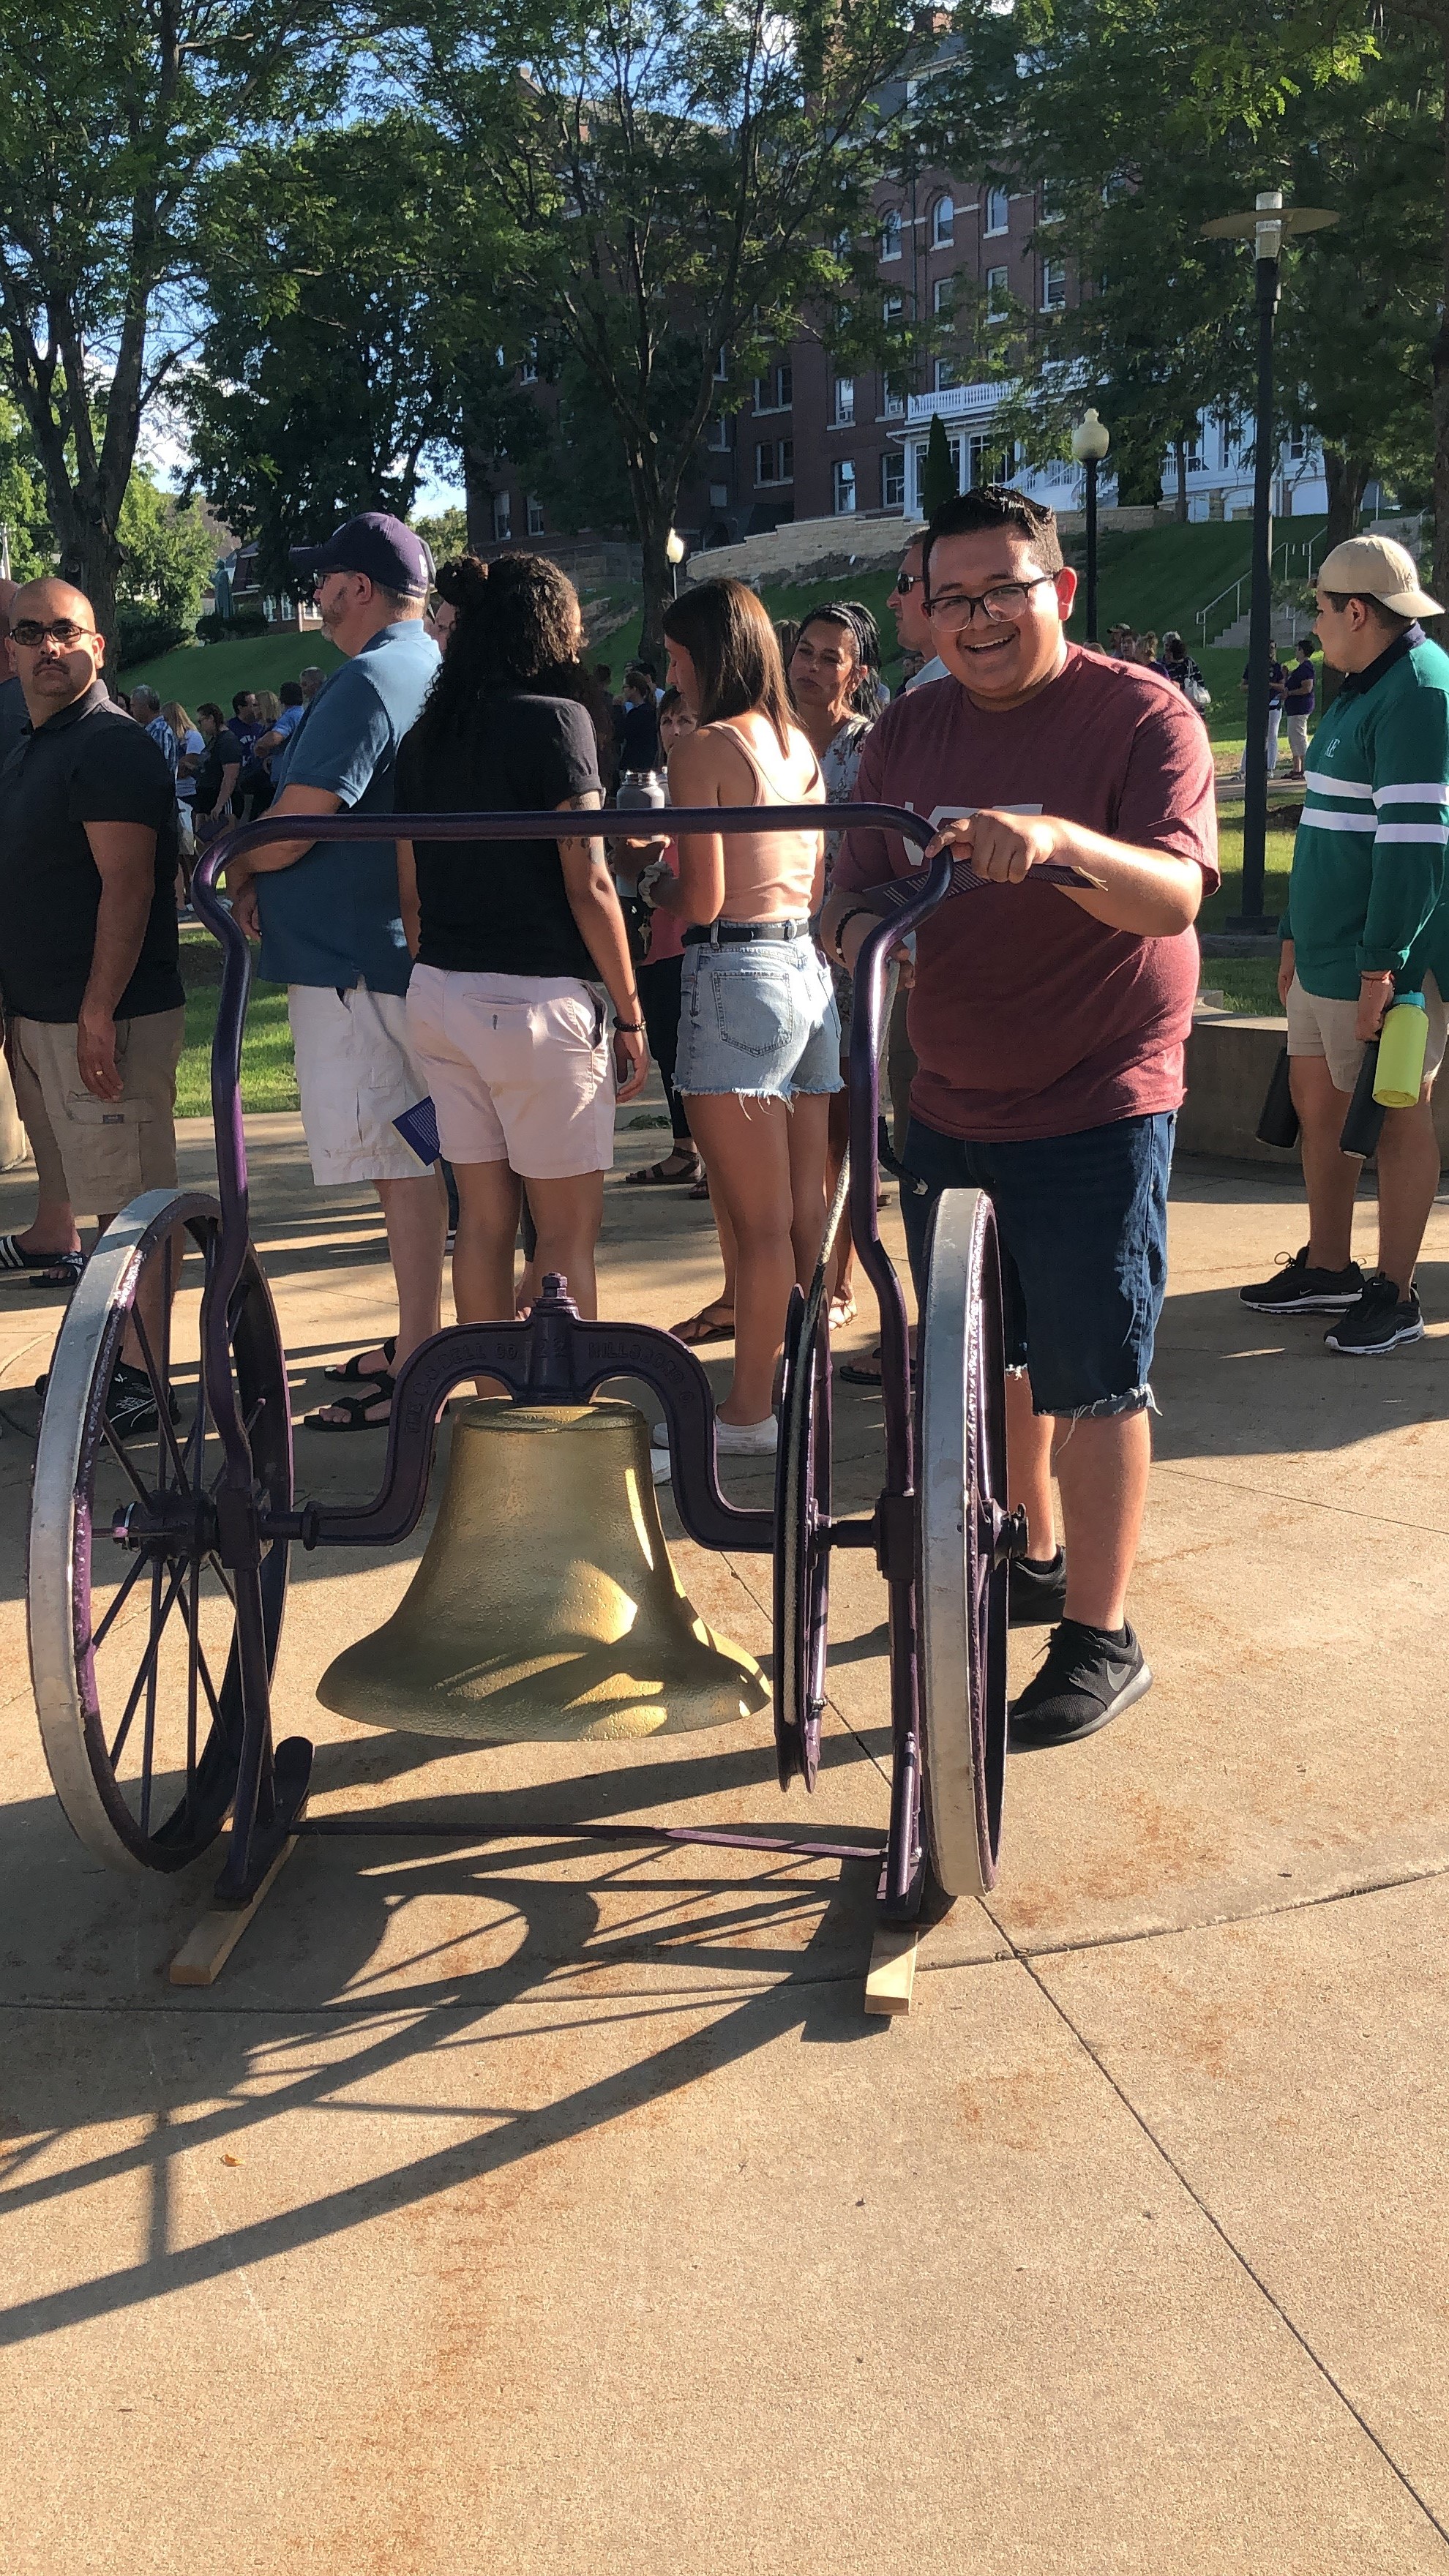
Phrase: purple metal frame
pixel 556 1357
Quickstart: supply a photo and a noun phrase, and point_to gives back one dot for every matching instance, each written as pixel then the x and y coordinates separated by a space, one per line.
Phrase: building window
pixel 1297 448
pixel 945 375
pixel 892 307
pixel 719 432
pixel 845 398
pixel 775 461
pixel 1053 285
pixel 943 296
pixel 502 518
pixel 721 365
pixel 535 517
pixel 1050 201
pixel 998 210
pixel 943 223
pixel 890 235
pixel 1192 452
pixel 719 496
pixel 893 479
pixel 528 372
pixel 893 397
pixel 844 487
pixel 776 391
pixel 998 290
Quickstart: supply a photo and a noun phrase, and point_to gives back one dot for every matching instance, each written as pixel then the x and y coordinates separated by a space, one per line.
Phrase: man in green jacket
pixel 1367 918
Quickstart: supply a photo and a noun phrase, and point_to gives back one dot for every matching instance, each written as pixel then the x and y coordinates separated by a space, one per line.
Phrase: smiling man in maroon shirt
pixel 1050 1025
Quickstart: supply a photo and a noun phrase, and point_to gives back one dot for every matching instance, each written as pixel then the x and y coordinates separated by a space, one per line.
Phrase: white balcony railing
pixel 958 402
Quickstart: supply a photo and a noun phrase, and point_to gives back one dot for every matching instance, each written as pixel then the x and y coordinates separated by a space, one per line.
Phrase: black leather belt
pixel 739 934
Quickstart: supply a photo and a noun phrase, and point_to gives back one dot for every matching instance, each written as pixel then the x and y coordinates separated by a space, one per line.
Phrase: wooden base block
pixel 208 1946
pixel 892 1971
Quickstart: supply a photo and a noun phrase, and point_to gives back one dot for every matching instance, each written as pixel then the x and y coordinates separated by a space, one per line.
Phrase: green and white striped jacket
pixel 1368 884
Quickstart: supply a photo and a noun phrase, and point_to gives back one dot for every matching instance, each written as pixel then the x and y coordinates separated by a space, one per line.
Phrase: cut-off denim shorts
pixel 1082 1223
pixel 759 1020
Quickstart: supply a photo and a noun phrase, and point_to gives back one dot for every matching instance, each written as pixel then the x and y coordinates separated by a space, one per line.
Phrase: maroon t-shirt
pixel 1028 1018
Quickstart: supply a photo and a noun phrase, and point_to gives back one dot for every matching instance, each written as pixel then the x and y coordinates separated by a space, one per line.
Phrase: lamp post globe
pixel 676 550
pixel 1090 441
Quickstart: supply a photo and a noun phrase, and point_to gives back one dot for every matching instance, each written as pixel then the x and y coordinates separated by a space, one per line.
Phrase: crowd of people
pixel 515 989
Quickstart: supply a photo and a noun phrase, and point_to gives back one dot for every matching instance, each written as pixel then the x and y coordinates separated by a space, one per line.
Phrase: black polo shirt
pixel 88 764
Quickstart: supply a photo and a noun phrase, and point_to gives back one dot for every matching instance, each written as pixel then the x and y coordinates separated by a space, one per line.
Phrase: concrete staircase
pixel 1288 624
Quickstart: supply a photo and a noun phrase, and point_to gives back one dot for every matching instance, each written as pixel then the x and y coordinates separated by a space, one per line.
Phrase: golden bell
pixel 546 1608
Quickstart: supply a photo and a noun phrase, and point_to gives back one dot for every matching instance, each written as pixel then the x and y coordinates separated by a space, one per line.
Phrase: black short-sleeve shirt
pixel 87 764
pixel 223 752
pixel 499 907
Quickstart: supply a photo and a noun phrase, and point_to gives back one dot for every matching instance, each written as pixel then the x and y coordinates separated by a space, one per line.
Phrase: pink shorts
pixel 519 1068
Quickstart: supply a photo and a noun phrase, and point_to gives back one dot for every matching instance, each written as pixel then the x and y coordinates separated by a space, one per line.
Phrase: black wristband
pixel 630 1028
pixel 858 912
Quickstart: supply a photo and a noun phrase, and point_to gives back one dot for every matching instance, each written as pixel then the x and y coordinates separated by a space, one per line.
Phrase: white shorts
pixel 1319 1024
pixel 520 1070
pixel 356 1073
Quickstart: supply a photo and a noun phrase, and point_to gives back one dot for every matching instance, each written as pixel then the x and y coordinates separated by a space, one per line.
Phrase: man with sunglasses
pixel 88 943
pixel 1049 1024
pixel 907 604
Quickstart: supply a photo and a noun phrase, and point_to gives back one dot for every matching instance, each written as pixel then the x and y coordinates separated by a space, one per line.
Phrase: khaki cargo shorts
pixel 1319 1024
pixel 99 1154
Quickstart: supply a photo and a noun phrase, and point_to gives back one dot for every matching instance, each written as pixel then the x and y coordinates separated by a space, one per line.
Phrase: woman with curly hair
pixel 513 938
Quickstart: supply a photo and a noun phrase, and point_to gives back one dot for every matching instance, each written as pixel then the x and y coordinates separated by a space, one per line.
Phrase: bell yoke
pixel 615 1650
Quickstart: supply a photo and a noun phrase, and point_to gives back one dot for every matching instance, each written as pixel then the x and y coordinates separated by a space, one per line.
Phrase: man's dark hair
pixel 240 699
pixel 1305 647
pixel 649 669
pixel 1387 617
pixel 996 505
pixel 209 707
pixel 290 693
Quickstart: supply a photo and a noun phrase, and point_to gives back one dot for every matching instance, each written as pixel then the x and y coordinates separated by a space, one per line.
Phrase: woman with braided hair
pixel 513 939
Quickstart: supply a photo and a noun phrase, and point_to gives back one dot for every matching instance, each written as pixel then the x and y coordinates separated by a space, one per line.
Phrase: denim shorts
pixel 758 1019
pixel 1082 1222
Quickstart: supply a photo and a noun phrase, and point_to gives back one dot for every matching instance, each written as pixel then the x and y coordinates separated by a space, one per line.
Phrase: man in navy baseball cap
pixel 389 553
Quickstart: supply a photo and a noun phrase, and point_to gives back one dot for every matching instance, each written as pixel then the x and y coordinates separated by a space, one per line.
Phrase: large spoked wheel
pixel 967 1539
pixel 802 1549
pixel 133 1647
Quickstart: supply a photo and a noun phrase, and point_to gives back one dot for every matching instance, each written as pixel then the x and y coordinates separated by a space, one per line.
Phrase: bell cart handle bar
pixel 556 1357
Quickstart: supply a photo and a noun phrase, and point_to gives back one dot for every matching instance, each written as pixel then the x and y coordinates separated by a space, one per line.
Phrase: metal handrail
pixel 1236 588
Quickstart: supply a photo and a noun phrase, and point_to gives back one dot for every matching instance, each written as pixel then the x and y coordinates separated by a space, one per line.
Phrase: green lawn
pixel 216 671
pixel 269 1080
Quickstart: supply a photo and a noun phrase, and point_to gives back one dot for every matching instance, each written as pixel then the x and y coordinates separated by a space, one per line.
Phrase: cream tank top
pixel 770 876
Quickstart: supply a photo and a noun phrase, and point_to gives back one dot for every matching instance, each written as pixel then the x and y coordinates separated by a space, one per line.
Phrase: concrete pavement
pixel 552 2207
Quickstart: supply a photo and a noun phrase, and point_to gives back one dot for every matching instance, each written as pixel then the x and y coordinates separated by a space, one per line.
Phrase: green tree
pixel 674 179
pixel 938 474
pixel 110 115
pixel 167 558
pixel 445 531
pixel 22 499
pixel 351 332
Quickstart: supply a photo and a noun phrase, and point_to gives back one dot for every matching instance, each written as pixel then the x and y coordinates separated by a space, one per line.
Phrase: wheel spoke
pixel 219 1570
pixel 118 1452
pixel 249 1424
pixel 193 1652
pixel 99 1635
pixel 166 1429
pixel 148 1660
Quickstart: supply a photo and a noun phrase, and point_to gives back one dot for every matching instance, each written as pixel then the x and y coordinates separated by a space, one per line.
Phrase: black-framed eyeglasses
pixel 905 583
pixel 1004 600
pixel 62 631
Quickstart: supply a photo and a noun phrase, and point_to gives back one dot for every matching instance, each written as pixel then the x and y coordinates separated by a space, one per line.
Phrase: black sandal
pixel 352 1373
pixel 355 1408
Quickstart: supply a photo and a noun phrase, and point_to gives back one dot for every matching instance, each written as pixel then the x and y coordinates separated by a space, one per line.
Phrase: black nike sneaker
pixel 1378 1321
pixel 1086 1678
pixel 1294 1289
pixel 1038 1590
pixel 131 1403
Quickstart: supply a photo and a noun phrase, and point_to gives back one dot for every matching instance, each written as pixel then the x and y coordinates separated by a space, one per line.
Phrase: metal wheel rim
pixel 802 1502
pixel 961 1477
pixel 61 1540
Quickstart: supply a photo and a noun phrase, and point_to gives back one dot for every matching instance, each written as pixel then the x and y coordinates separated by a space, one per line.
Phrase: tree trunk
pixel 1179 451
pixel 654 527
pixel 1347 478
pixel 91 558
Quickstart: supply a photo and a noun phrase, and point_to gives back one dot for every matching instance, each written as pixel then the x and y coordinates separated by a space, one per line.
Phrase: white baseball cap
pixel 1378 568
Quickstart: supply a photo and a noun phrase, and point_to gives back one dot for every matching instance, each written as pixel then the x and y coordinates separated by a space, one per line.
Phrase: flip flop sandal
pixel 47 1269
pixel 853 1374
pixel 842 1312
pixel 694 1332
pixel 352 1373
pixel 355 1408
pixel 701 1187
pixel 655 1177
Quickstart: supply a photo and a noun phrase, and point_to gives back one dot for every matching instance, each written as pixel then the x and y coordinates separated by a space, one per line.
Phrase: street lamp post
pixel 676 550
pixel 1090 442
pixel 1266 227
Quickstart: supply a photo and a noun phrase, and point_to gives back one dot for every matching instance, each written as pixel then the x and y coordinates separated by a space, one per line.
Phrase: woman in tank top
pixel 759 1037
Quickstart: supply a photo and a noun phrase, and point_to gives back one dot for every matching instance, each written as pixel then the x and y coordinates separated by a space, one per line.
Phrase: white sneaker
pixel 747 1439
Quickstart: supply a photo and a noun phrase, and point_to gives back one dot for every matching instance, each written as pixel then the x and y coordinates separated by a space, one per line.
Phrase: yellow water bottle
pixel 1402 1041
